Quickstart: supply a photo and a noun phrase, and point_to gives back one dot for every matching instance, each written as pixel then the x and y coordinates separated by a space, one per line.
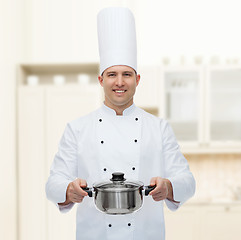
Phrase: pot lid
pixel 118 183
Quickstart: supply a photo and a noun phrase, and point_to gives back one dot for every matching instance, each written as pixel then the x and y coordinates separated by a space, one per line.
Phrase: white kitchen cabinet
pixel 183 103
pixel 204 221
pixel 203 106
pixel 221 222
pixel 43 112
pixel 182 224
pixel 31 164
pixel 43 115
pixel 62 105
pixel 224 106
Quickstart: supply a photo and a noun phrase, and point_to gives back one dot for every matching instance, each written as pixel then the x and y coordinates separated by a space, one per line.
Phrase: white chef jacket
pixel 138 144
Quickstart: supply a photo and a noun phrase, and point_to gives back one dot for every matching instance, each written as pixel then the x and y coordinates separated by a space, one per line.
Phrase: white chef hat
pixel 117 38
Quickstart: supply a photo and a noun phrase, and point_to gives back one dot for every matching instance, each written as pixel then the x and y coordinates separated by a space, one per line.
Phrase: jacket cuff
pixel 179 194
pixel 170 204
pixel 65 208
pixel 57 192
pixel 173 206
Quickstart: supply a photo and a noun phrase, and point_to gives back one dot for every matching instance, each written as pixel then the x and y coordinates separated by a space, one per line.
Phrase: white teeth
pixel 119 91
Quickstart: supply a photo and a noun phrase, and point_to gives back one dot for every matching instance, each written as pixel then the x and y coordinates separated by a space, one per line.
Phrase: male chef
pixel 119 137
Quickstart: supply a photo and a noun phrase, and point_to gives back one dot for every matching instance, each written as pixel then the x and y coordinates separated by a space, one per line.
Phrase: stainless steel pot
pixel 118 196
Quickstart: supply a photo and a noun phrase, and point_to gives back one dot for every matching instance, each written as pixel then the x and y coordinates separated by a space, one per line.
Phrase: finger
pixel 73 196
pixel 153 181
pixel 78 200
pixel 78 189
pixel 83 192
pixel 159 196
pixel 77 196
pixel 83 183
pixel 159 185
pixel 157 190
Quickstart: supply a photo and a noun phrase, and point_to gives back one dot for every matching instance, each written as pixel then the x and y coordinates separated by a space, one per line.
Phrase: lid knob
pixel 118 176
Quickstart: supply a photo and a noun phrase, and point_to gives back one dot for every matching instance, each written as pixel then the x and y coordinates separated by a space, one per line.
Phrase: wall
pixel 64 31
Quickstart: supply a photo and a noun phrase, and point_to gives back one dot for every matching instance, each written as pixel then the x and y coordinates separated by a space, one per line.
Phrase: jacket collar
pixel 128 111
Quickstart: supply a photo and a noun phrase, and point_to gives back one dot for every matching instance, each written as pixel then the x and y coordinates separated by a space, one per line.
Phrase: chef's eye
pixel 127 74
pixel 111 75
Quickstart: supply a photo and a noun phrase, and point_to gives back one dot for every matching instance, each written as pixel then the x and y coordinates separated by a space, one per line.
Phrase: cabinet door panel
pixel 64 105
pixel 31 164
pixel 183 105
pixel 221 223
pixel 224 105
pixel 181 224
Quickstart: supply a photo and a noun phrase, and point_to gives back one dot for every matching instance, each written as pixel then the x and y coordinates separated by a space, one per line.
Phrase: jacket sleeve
pixel 63 169
pixel 176 169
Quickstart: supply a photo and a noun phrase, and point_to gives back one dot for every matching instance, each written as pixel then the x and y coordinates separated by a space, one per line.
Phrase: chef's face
pixel 119 83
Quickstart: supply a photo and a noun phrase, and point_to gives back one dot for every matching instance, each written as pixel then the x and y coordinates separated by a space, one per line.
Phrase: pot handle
pixel 89 191
pixel 148 189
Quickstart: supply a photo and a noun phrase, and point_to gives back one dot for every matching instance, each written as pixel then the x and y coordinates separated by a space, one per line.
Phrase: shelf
pixel 151 110
pixel 227 90
pixel 184 91
pixel 44 73
pixel 62 68
pixel 209 150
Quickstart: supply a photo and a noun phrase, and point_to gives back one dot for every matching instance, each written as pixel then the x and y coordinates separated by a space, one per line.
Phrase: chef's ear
pixel 138 77
pixel 100 78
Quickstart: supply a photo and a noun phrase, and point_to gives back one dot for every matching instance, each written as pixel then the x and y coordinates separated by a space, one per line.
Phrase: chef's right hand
pixel 75 193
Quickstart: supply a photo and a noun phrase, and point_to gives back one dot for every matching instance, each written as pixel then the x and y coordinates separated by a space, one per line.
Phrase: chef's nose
pixel 119 80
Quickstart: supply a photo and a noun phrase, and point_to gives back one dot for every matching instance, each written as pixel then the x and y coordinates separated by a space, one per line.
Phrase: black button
pixel 129 224
pixel 133 168
pixel 135 140
pixel 110 225
pixel 105 169
pixel 102 142
pixel 100 120
pixel 136 119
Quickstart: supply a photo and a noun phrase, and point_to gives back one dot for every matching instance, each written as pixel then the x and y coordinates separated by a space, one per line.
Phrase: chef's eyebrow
pixel 110 72
pixel 114 72
pixel 122 72
pixel 130 72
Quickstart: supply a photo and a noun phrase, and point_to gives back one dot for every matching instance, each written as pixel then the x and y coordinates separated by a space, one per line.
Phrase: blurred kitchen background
pixel 189 59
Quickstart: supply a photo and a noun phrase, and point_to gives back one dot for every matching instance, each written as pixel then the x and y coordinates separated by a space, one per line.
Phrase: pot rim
pixel 109 186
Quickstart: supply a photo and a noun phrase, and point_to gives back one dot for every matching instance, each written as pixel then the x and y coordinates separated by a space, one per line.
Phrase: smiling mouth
pixel 119 91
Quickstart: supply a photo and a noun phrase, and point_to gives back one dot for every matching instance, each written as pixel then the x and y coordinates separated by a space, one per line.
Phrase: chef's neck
pixel 119 109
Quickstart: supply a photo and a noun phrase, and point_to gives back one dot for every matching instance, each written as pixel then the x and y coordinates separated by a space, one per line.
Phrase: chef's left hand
pixel 162 190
